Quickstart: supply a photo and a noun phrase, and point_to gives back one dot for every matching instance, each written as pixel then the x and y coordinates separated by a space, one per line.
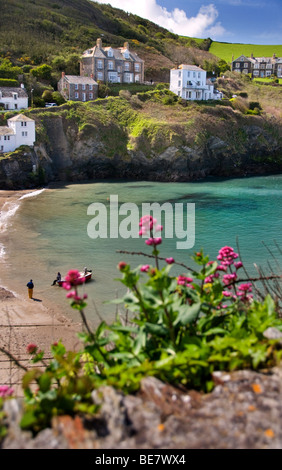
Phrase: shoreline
pixel 24 321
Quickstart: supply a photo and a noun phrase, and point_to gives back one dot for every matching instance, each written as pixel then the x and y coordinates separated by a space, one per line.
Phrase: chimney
pixel 91 76
pixel 126 45
pixel 252 55
pixel 22 85
pixel 99 43
pixel 63 74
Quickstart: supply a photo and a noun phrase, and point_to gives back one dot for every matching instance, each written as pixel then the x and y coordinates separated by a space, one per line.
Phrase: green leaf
pixel 28 420
pixel 187 314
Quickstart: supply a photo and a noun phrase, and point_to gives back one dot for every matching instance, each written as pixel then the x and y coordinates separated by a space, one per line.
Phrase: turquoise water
pixel 49 232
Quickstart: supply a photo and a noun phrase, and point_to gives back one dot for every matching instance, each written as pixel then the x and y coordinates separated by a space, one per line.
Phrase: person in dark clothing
pixel 59 277
pixel 30 287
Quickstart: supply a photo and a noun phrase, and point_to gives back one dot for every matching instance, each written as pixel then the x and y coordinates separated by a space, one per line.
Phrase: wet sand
pixel 24 321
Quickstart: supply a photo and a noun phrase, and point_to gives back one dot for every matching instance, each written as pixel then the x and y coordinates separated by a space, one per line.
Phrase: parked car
pixel 48 105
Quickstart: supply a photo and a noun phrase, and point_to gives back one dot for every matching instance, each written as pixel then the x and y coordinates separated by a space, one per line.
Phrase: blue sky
pixel 235 21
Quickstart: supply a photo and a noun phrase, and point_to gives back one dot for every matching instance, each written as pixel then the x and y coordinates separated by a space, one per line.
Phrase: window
pixel 83 87
pixel 268 73
pixel 179 83
pixel 199 74
pixel 237 65
pixel 256 66
pixel 137 67
pixel 100 75
pixel 91 96
pixel 76 95
pixel 23 124
pixel 246 65
pixel 188 74
pixel 2 148
pixel 6 137
pixel 179 73
pixel 76 86
pixel 194 74
pixel 256 73
pixel 137 78
pixel 15 95
pixel 110 53
pixel 110 65
pixel 269 66
pixel 99 64
pixel 126 66
pixel 198 95
pixel 24 134
pixel 90 87
pixel 83 96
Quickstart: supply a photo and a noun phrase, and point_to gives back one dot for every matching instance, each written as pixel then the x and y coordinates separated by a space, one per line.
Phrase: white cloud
pixel 202 25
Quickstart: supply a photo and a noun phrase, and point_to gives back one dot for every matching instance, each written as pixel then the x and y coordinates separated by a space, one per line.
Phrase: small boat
pixel 87 276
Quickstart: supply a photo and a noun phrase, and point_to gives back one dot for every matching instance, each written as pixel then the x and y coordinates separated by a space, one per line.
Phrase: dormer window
pixel 110 53
pixel 15 96
pixel 126 54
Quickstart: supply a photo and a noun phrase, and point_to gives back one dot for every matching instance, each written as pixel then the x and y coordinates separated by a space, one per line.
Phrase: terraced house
pixel 107 64
pixel 258 67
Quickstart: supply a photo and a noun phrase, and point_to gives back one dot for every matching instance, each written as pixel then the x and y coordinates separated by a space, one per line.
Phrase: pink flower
pixel 150 241
pixel 158 228
pixel 157 240
pixel 31 348
pixel 244 290
pixel 145 268
pixel 229 278
pixel 227 255
pixel 6 391
pixel 184 281
pixel 122 265
pixel 227 293
pixel 73 278
pixel 238 264
pixel 170 260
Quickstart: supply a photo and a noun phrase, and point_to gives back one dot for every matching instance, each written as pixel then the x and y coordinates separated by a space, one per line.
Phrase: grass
pixel 225 50
pixel 266 80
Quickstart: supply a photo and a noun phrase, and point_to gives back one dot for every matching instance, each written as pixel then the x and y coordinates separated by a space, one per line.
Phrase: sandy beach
pixel 24 321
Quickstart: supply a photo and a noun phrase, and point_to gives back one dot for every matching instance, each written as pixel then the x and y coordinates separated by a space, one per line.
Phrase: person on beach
pixel 30 287
pixel 58 279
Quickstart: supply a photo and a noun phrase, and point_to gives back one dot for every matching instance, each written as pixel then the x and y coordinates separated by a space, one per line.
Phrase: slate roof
pixel 77 79
pixel 7 92
pixel 4 130
pixel 21 117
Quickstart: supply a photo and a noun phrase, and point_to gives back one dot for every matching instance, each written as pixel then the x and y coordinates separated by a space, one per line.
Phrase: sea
pixel 51 230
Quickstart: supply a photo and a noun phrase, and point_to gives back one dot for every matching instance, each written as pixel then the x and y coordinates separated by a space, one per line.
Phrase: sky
pixel 234 21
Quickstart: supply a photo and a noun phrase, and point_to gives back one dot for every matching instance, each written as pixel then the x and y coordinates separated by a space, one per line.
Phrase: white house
pixel 19 131
pixel 190 83
pixel 13 97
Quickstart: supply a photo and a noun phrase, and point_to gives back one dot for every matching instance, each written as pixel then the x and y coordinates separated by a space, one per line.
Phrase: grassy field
pixel 225 50
pixel 266 80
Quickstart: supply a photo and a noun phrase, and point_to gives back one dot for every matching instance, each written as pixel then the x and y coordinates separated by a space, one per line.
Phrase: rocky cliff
pixel 97 142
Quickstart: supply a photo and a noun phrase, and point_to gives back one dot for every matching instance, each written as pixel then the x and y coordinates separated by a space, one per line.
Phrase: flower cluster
pixel 226 256
pixel 244 291
pixel 184 281
pixel 6 391
pixel 73 278
pixel 31 348
pixel 148 225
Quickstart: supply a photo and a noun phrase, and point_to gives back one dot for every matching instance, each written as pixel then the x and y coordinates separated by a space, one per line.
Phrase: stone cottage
pixel 76 88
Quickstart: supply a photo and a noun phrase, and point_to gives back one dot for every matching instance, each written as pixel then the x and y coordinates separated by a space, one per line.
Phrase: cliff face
pixel 66 151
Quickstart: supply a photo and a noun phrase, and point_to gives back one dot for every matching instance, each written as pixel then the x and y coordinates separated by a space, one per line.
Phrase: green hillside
pixel 226 51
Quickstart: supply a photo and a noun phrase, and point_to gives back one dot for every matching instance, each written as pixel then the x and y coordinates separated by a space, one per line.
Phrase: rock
pixel 244 411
